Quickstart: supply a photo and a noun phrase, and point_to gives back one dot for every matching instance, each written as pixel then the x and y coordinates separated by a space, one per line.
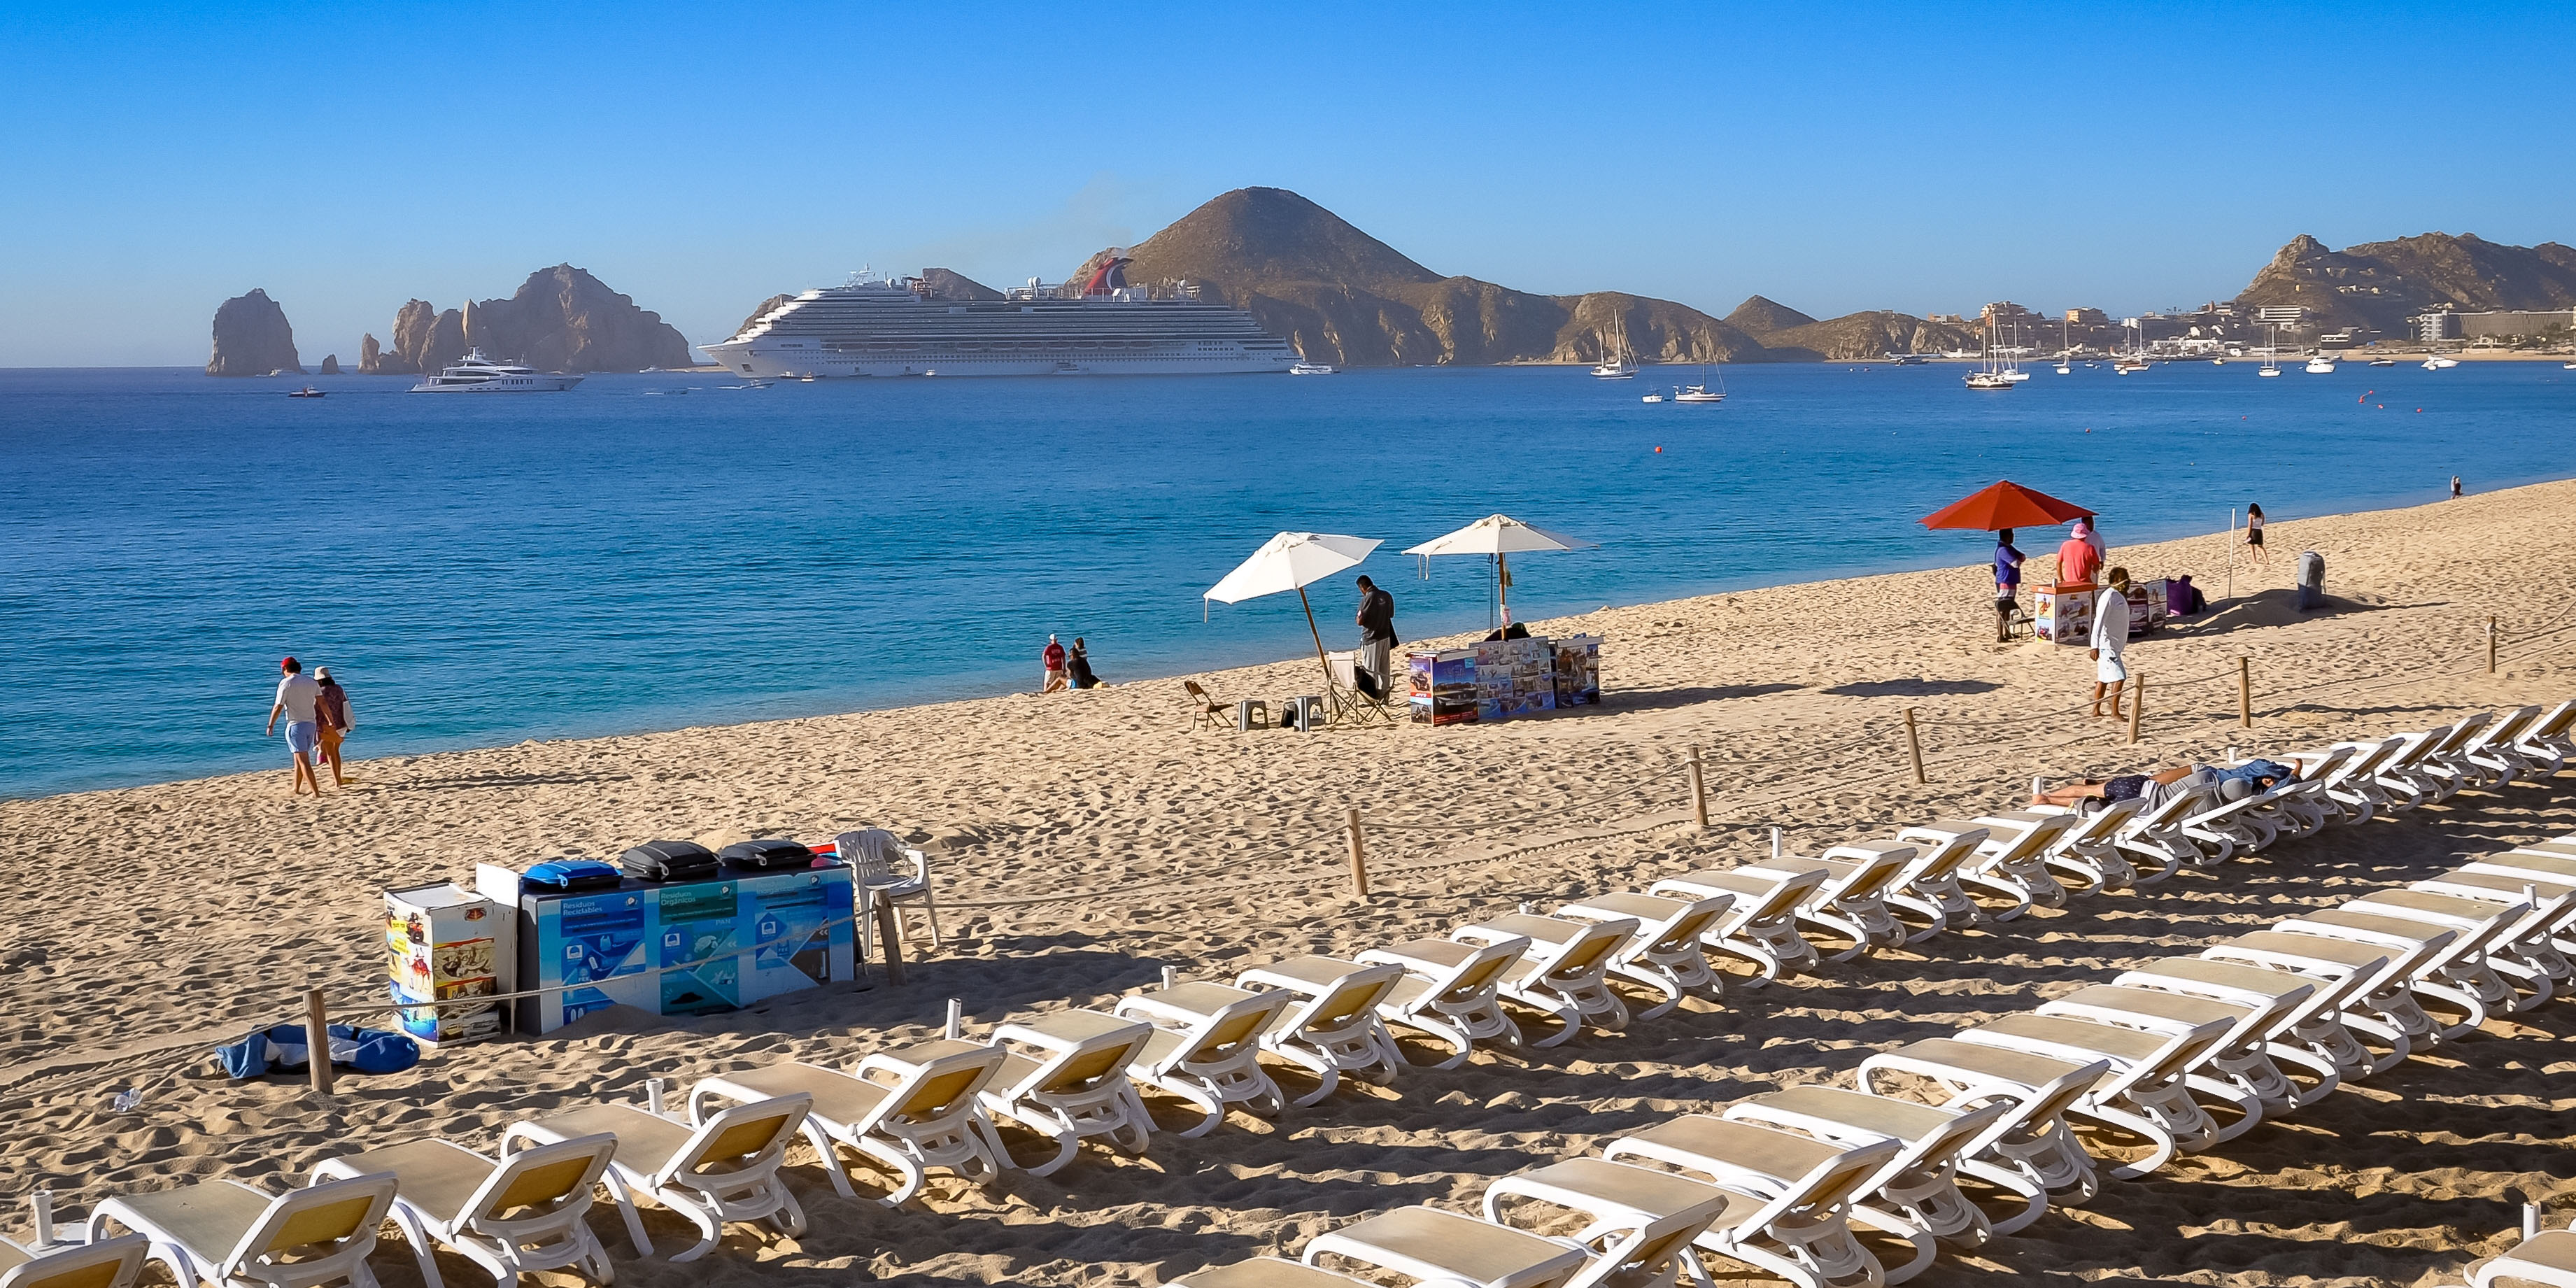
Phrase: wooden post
pixel 1699 791
pixel 2245 692
pixel 890 940
pixel 2137 703
pixel 1359 853
pixel 1914 747
pixel 317 1040
pixel 2491 643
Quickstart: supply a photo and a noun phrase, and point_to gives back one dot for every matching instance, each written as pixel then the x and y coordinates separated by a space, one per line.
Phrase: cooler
pixel 443 944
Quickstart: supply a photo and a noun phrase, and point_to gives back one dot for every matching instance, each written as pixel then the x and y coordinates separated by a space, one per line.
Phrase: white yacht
pixel 1701 393
pixel 1617 362
pixel 1311 369
pixel 476 374
pixel 2321 365
pixel 877 326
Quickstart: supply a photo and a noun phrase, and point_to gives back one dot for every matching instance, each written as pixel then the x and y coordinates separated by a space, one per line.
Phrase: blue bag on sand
pixel 572 874
pixel 283 1047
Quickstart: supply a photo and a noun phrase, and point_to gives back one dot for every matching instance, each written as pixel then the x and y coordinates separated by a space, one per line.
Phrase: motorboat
pixel 307 391
pixel 1655 397
pixel 2321 365
pixel 2442 361
pixel 476 374
pixel 2065 369
pixel 2383 362
pixel 1311 369
pixel 2128 366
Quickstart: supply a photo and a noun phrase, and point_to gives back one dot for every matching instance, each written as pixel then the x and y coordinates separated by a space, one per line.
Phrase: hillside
pixel 1758 316
pixel 2382 284
pixel 1854 337
pixel 560 319
pixel 1342 296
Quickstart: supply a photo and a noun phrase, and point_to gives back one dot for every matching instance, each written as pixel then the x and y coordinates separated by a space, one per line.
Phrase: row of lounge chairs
pixel 1772 1182
pixel 1779 1181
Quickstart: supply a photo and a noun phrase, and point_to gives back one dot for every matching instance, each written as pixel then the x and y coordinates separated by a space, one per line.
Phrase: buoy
pixel 1659 451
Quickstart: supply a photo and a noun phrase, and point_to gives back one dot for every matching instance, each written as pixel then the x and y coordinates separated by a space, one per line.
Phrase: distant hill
pixel 2382 284
pixel 1342 296
pixel 1854 337
pixel 1758 316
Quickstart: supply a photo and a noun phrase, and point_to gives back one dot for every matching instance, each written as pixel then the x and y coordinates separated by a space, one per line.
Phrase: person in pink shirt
pixel 2077 559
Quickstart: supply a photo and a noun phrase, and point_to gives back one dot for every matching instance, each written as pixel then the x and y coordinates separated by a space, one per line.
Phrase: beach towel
pixel 283 1047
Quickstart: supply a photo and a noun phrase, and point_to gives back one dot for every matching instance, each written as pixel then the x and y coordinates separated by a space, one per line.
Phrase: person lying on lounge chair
pixel 2232 784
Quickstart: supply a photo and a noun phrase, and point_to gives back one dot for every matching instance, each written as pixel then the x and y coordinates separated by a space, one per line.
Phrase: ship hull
pixel 755 359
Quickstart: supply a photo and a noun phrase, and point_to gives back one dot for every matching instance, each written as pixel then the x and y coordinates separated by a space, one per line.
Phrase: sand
pixel 1132 842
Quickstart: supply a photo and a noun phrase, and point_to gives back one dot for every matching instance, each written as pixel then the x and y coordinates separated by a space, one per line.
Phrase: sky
pixel 157 160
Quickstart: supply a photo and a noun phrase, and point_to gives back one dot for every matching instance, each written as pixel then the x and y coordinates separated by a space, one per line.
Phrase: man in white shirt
pixel 2110 636
pixel 297 696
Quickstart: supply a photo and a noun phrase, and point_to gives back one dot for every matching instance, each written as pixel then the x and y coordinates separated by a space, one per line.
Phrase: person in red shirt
pixel 1055 678
pixel 2077 561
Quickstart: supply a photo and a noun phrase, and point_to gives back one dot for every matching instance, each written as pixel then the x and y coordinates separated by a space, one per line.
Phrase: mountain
pixel 2382 284
pixel 560 319
pixel 1757 316
pixel 252 338
pixel 944 284
pixel 1342 296
pixel 762 311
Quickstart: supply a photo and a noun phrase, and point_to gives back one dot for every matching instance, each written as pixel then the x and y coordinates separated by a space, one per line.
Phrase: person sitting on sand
pixel 1077 666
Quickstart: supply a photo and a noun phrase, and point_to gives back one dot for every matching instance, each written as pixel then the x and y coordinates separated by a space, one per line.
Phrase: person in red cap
pixel 298 695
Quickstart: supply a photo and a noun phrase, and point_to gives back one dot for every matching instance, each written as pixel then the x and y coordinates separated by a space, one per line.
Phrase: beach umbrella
pixel 1292 561
pixel 1500 536
pixel 2005 505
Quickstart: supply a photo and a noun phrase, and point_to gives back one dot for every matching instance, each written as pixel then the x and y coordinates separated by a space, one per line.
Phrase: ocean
pixel 659 551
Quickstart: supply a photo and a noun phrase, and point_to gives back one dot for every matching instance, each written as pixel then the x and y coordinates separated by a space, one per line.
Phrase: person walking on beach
pixel 2254 533
pixel 1055 678
pixel 297 697
pixel 1077 666
pixel 1377 638
pixel 2110 638
pixel 331 711
pixel 2007 585
pixel 2077 559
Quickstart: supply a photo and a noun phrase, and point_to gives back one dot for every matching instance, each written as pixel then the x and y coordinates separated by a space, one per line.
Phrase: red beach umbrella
pixel 2005 505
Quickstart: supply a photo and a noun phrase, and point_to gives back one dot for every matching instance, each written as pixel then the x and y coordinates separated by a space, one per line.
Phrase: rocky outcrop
pixel 372 358
pixel 1342 296
pixel 2382 284
pixel 1868 337
pixel 252 338
pixel 560 319
pixel 762 311
pixel 330 364
pixel 945 284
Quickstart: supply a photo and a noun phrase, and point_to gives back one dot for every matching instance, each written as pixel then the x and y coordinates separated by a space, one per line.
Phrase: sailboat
pixel 2135 360
pixel 2271 355
pixel 1701 393
pixel 1653 396
pixel 1992 375
pixel 2065 347
pixel 2012 358
pixel 1617 362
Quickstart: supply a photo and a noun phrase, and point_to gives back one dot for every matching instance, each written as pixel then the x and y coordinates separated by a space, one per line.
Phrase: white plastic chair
pixel 873 854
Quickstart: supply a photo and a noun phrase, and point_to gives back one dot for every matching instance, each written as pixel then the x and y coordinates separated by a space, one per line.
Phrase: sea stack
pixel 330 364
pixel 252 338
pixel 560 319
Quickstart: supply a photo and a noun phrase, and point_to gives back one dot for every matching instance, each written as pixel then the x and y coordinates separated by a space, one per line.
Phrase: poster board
pixel 1515 677
pixel 1578 671
pixel 1441 687
pixel 443 944
pixel 2063 614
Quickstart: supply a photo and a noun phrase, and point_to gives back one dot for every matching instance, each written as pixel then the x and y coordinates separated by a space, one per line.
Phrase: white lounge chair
pixel 1441 1249
pixel 2038 1144
pixel 1929 886
pixel 2548 1257
pixel 108 1263
pixel 1801 1227
pixel 520 1213
pixel 2144 1092
pixel 1451 990
pixel 221 1233
pixel 2547 743
pixel 1852 902
pixel 2304 1026
pixel 2014 866
pixel 1267 1272
pixel 1064 1075
pixel 2353 784
pixel 722 1169
pixel 2462 973
pixel 1206 1048
pixel 1664 952
pixel 1563 972
pixel 2533 953
pixel 2090 848
pixel 2493 750
pixel 1330 1027
pixel 2238 1069
pixel 2379 1000
pixel 912 1109
pixel 1639 1223
pixel 1761 925
pixel 1915 1195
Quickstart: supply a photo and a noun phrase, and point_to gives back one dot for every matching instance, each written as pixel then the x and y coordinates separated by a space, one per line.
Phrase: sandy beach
pixel 1106 839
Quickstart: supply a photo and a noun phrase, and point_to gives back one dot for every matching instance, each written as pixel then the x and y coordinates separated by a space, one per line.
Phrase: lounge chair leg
pixel 417 1235
pixel 823 1149
pixel 908 1172
pixel 710 1228
pixel 625 1207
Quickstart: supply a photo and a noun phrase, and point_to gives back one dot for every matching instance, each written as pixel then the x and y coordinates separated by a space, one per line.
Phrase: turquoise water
pixel 481 570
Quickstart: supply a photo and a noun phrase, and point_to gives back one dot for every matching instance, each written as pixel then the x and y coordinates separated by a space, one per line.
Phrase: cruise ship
pixel 878 326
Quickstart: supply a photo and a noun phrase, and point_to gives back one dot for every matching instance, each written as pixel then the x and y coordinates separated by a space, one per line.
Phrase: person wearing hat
pixel 2110 639
pixel 297 697
pixel 331 709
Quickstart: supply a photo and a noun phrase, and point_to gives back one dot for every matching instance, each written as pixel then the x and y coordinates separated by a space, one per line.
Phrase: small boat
pixel 2091 365
pixel 1988 380
pixel 806 379
pixel 2064 369
pixel 1311 369
pixel 2567 366
pixel 2441 361
pixel 2218 362
pixel 307 391
pixel 1701 393
pixel 2127 366
pixel 2383 362
pixel 2321 365
pixel 1655 397
pixel 2268 370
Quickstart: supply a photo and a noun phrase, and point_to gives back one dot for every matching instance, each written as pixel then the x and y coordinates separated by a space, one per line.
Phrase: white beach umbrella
pixel 1292 561
pixel 1499 536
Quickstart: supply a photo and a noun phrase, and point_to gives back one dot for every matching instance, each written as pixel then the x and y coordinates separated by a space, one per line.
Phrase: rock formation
pixel 560 319
pixel 762 312
pixel 1758 316
pixel 944 284
pixel 1854 337
pixel 1342 296
pixel 252 338
pixel 2382 284
pixel 371 357
pixel 330 364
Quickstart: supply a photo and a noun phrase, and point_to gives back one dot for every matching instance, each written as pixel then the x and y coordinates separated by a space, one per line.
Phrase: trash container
pixel 2312 582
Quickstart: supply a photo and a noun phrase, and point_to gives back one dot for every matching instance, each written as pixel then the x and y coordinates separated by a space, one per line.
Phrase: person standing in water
pixel 2254 533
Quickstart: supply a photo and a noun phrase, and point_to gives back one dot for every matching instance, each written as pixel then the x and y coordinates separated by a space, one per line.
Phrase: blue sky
pixel 1920 157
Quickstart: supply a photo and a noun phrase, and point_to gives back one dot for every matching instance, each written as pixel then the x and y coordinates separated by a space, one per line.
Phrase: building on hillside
pixel 2087 317
pixel 2512 322
pixel 2005 311
pixel 1951 318
pixel 2433 328
pixel 2281 314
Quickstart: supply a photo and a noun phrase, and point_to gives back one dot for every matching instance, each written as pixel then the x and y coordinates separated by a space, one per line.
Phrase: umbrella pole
pixel 1503 583
pixel 1319 640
